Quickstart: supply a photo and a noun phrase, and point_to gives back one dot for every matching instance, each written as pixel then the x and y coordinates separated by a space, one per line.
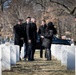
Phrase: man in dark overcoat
pixel 18 34
pixel 28 35
pixel 41 32
pixel 34 36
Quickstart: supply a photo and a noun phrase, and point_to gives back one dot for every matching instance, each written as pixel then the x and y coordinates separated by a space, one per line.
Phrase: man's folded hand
pixel 42 37
pixel 29 41
pixel 22 39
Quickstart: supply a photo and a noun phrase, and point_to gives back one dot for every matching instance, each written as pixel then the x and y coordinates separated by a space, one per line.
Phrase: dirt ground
pixel 39 67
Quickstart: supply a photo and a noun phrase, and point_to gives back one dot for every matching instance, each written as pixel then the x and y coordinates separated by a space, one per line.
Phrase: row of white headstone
pixel 9 55
pixel 66 54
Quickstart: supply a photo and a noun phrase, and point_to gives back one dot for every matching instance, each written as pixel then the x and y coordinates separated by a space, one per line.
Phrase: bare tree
pixel 63 10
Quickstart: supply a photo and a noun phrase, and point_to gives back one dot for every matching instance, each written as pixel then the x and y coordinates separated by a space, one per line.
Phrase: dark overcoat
pixel 18 34
pixel 30 32
pixel 34 33
pixel 48 36
pixel 41 32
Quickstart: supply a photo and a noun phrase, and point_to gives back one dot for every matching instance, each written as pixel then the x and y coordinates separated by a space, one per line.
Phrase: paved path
pixel 39 67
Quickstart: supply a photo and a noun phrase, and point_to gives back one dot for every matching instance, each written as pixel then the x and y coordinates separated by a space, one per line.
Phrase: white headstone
pixel 64 55
pixel 13 54
pixel 0 61
pixel 6 63
pixel 22 53
pixel 0 68
pixel 0 53
pixel 53 50
pixel 71 58
pixel 17 53
pixel 75 60
pixel 56 51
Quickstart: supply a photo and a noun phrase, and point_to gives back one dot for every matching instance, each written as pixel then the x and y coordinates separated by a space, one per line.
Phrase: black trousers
pixel 33 51
pixel 48 53
pixel 41 51
pixel 29 52
pixel 41 48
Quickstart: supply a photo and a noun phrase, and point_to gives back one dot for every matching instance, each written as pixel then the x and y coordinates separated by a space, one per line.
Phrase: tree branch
pixel 2 2
pixel 72 12
pixel 61 5
pixel 41 4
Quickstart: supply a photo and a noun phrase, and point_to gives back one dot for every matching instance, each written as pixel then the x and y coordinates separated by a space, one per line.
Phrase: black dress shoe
pixel 29 60
pixel 20 59
pixel 32 59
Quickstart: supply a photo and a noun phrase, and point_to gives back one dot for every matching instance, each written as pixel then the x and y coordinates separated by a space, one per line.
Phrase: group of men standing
pixel 27 33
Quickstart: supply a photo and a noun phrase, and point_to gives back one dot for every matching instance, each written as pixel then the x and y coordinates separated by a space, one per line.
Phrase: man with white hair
pixel 34 36
pixel 33 20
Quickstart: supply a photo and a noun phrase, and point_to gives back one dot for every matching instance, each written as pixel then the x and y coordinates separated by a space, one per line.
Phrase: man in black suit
pixel 27 40
pixel 18 34
pixel 41 32
pixel 34 36
pixel 28 34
